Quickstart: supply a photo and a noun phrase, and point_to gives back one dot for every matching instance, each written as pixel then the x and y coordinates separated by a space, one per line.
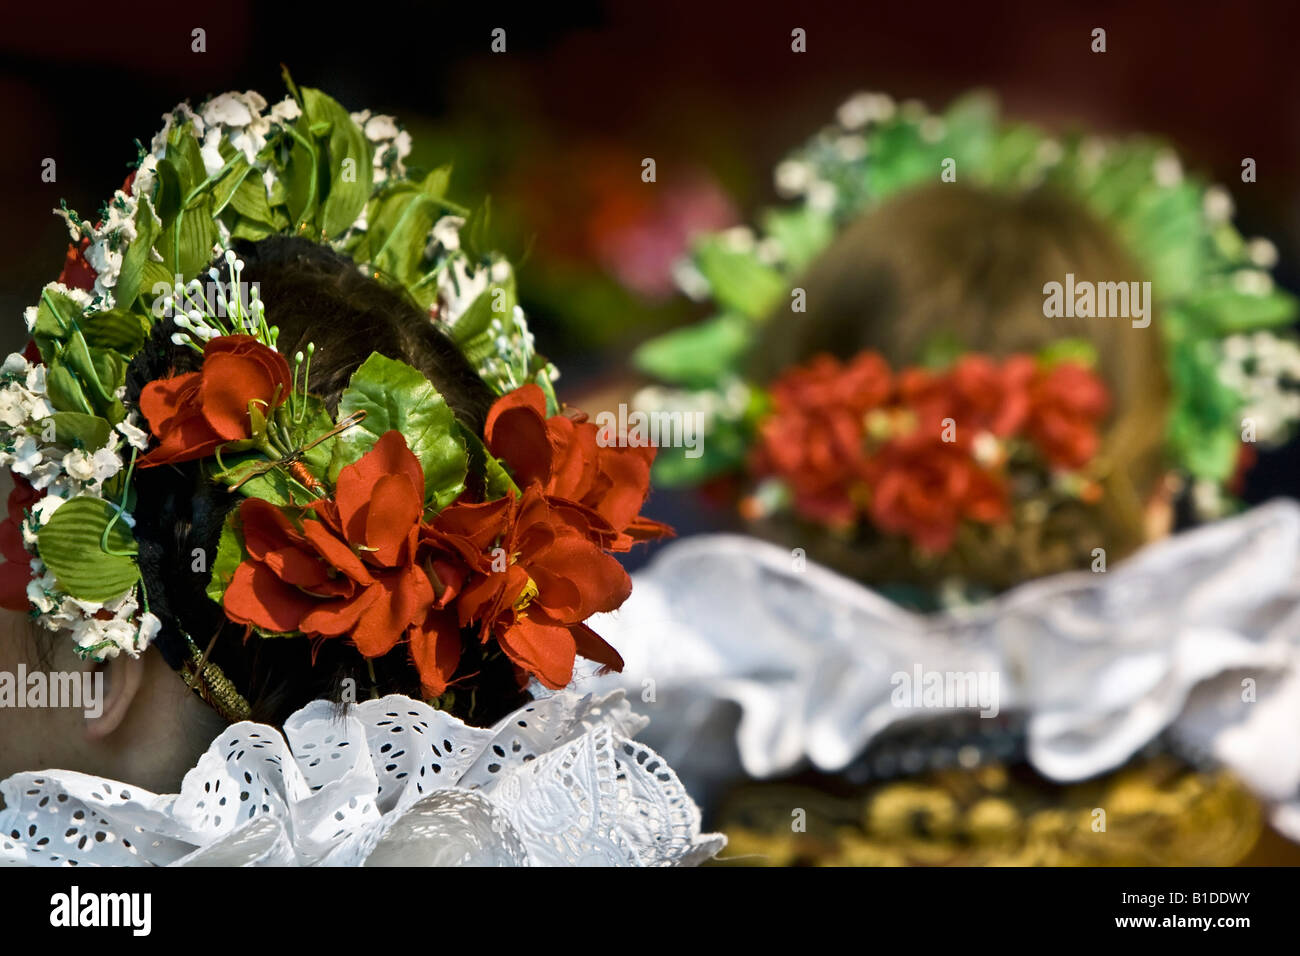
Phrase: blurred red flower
pixel 814 438
pixel 1066 405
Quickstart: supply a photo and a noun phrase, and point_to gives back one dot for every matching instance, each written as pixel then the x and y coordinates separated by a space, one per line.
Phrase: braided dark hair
pixel 312 294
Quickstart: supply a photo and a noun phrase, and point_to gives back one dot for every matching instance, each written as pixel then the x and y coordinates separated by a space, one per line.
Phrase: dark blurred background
pixel 555 128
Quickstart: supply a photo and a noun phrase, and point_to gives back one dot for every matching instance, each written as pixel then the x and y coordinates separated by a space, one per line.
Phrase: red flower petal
pixel 435 651
pixel 229 383
pixel 516 433
pixel 336 552
pixel 391 517
pixel 402 598
pixel 544 650
pixel 595 648
pixel 333 618
pixel 256 596
pixel 389 456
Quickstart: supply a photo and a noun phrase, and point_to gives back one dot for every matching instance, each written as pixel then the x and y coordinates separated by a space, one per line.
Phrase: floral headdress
pixel 391 523
pixel 844 442
pixel 1221 316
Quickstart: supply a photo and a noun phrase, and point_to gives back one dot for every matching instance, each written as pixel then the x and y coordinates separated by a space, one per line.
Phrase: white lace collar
pixel 393 782
pixel 1099 663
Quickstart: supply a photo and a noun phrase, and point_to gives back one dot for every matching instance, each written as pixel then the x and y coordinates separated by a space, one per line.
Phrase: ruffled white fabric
pixel 393 782
pixel 1179 637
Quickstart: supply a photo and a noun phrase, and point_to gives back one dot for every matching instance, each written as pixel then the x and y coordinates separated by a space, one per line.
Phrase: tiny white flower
pixel 46 507
pixel 286 110
pixel 150 625
pixel 36 595
pixel 403 144
pixel 79 465
pixel 29 317
pixel 15 364
pixel 380 128
pixel 1167 169
pixel 1218 204
pixel 36 379
pixel 136 436
pixel 106 464
pixel 27 455
pixel 14 406
pixel 446 231
pixel 227 109
pixel 793 177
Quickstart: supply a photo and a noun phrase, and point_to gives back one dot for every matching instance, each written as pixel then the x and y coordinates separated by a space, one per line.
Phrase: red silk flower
pixel 924 487
pixel 554 578
pixel 1066 404
pixel 978 394
pixel 606 484
pixel 814 438
pixel 359 569
pixel 194 413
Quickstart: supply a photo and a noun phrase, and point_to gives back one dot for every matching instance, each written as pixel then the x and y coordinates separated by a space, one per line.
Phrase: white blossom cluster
pixel 1265 370
pixel 392 143
pixel 27 446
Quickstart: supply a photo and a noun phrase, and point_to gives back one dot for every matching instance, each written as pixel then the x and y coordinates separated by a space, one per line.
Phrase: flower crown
pixel 392 523
pixel 1231 369
pixel 920 451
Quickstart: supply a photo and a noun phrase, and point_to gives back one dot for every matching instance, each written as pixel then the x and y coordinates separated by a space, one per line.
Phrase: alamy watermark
pixel 951 690
pixel 1100 300
pixel 662 429
pixel 80 690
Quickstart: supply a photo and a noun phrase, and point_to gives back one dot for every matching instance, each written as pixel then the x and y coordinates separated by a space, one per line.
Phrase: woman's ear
pixel 117 684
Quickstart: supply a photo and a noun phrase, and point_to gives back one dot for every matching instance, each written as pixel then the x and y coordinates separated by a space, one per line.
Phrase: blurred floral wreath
pixel 391 525
pixel 1223 320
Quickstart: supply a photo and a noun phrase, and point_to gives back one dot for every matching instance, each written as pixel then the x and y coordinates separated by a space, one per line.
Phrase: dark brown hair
pixel 967 265
pixel 313 295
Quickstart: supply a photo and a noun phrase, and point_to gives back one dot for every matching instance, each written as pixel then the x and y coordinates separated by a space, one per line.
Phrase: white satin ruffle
pixel 1198 634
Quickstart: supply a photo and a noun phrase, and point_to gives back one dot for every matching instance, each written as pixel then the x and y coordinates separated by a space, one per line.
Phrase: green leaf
pixel 252 231
pixel 88 431
pixel 396 396
pixel 249 200
pixel 79 360
pixel 696 355
pixel 69 544
pixel 64 389
pixel 130 279
pixel 723 450
pixel 1080 351
pixel 436 183
pixel 56 315
pixel 301 175
pixel 118 329
pixel 170 193
pixel 230 552
pixel 802 233
pixel 400 230
pixel 193 236
pixel 223 191
pixel 345 198
pixel 1227 311
pixel 496 479
pixel 739 282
